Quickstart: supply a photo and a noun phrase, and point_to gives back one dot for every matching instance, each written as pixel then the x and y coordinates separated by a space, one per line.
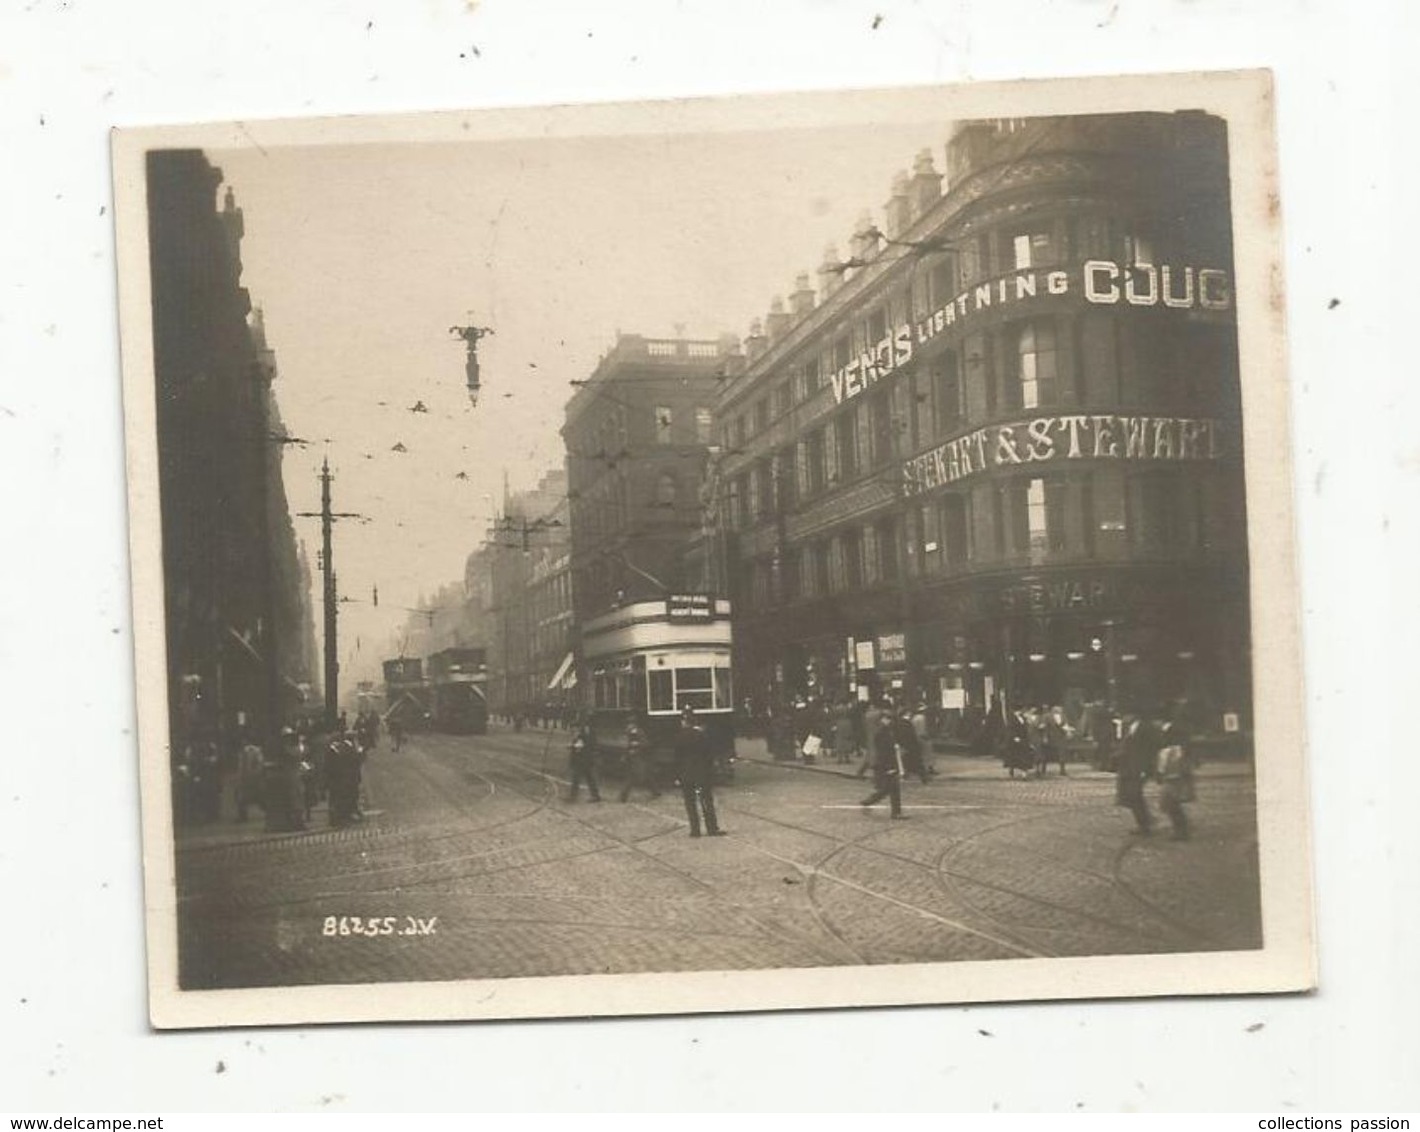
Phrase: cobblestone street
pixel 473 864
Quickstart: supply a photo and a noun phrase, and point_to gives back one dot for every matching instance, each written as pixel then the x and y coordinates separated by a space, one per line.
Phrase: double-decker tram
pixel 458 679
pixel 651 659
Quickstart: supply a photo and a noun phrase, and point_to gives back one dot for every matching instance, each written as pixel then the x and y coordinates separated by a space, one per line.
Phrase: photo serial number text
pixel 378 925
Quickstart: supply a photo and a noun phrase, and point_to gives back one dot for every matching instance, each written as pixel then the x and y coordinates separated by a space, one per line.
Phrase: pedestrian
pixel 342 763
pixel 639 772
pixel 1018 752
pixel 1055 734
pixel 1137 756
pixel 694 768
pixel 887 767
pixel 872 720
pixel 845 733
pixel 909 749
pixel 583 758
pixel 1174 767
pixel 396 730
pixel 251 767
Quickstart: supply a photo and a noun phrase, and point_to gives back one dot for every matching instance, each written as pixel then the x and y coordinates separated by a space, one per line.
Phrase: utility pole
pixel 332 659
pixel 331 594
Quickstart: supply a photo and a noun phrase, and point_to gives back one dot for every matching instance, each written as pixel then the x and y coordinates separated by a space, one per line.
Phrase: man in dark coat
pixel 1137 753
pixel 695 768
pixel 909 744
pixel 887 767
pixel 584 763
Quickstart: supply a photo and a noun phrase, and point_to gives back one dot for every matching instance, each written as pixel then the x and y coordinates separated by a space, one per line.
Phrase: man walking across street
pixel 694 766
pixel 1137 751
pixel 638 762
pixel 584 763
pixel 887 767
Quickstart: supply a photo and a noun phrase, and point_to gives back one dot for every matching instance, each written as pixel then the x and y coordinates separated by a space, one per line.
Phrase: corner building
pixel 999 451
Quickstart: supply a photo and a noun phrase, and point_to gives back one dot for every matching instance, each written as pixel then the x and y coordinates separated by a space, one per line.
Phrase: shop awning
pixel 560 677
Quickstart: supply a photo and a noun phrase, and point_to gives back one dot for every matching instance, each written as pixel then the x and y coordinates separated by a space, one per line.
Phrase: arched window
pixel 665 490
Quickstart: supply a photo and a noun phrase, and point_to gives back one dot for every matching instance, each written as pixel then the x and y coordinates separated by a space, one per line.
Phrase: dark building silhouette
pixel 239 635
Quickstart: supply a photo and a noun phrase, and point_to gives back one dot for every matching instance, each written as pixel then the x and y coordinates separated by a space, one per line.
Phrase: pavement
pixel 474 863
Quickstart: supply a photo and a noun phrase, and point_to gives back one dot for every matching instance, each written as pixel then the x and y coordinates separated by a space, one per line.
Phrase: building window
pixel 889 564
pixel 842 349
pixel 955 525
pixel 1036 363
pixel 784 477
pixel 943 281
pixel 877 327
pixel 852 543
pixel 1034 249
pixel 1000 513
pixel 792 573
pixel 880 427
pixel 783 399
pixel 664 421
pixel 845 437
pixel 837 573
pixel 1158 521
pixel 946 378
pixel 812 378
pixel 1138 250
pixel 814 458
pixel 704 420
pixel 741 430
pixel 666 491
pixel 929 539
pixel 823 573
pixel 761 414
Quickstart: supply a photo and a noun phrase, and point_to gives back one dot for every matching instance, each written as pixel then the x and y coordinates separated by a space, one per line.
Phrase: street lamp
pixel 470 336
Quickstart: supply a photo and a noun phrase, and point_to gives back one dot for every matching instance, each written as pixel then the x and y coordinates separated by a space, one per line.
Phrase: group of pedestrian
pixel 1032 738
pixel 694 769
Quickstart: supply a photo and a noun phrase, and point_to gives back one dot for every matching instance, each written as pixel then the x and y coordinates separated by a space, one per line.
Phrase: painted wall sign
pixel 1100 281
pixel 1075 436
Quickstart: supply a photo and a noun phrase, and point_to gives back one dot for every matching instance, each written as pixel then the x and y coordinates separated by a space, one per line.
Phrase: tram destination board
pixel 690 607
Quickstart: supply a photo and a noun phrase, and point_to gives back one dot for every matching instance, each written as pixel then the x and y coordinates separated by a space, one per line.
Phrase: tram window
pixel 693 688
pixel 723 696
pixel 662 696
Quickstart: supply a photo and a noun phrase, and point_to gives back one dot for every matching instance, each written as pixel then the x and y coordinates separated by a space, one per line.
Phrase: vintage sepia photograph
pixel 775 552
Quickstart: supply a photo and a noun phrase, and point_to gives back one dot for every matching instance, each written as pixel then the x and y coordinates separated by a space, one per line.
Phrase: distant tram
pixel 653 658
pixel 458 681
pixel 407 694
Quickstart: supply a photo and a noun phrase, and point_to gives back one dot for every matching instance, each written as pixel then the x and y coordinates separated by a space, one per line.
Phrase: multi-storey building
pixel 238 630
pixel 999 451
pixel 529 587
pixel 638 434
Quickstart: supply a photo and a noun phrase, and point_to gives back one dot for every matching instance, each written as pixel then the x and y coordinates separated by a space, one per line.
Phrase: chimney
pixel 899 207
pixel 926 184
pixel 830 274
pixel 756 342
pixel 778 319
pixel 865 237
pixel 801 302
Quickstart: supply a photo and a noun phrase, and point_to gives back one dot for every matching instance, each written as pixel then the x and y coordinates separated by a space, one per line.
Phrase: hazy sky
pixel 362 257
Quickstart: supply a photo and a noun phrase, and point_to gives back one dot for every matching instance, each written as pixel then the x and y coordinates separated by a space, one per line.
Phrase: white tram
pixel 652 659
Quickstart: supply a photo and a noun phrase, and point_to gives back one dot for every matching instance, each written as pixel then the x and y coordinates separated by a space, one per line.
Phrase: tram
pixel 651 659
pixel 458 679
pixel 407 694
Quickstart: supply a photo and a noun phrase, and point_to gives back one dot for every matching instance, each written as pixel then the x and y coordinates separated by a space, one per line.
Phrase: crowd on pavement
pixel 886 740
